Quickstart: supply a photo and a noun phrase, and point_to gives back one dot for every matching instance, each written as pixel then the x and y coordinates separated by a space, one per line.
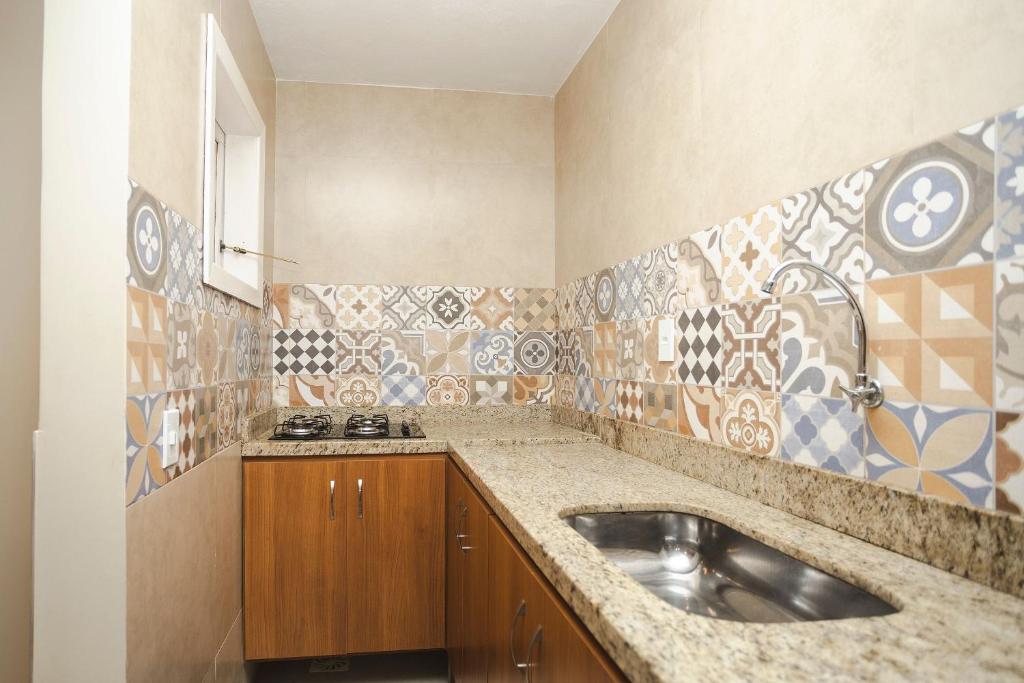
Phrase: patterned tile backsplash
pixel 932 240
pixel 361 346
pixel 189 348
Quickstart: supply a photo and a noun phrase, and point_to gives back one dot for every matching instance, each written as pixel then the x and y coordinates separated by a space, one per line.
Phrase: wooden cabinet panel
pixel 468 580
pixel 294 559
pixel 455 511
pixel 395 553
pixel 530 626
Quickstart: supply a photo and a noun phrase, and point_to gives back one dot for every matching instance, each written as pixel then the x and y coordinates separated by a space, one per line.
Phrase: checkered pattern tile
pixel 304 352
pixel 700 346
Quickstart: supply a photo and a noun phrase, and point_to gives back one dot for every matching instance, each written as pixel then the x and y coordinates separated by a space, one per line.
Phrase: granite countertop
pixel 439 434
pixel 948 628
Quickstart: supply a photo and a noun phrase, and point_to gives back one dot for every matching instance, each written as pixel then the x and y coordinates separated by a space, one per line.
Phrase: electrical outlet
pixel 666 340
pixel 171 446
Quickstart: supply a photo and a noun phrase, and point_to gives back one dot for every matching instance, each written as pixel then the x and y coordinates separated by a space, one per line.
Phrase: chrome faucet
pixel 867 391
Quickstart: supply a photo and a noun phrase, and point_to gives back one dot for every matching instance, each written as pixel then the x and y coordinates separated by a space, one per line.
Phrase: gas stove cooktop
pixel 321 427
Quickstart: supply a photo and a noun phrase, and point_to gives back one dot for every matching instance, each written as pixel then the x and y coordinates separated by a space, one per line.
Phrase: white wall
pixel 21 57
pixel 79 629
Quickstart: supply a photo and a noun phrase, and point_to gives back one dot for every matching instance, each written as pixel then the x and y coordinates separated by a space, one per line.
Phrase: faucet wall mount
pixel 867 391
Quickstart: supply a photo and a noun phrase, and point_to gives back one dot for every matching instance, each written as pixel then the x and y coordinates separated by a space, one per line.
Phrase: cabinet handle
pixel 520 612
pixel 459 535
pixel 332 500
pixel 530 664
pixel 359 499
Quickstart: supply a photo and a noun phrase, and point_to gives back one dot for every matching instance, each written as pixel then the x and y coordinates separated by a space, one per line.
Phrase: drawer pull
pixel 459 535
pixel 359 498
pixel 520 612
pixel 332 500
pixel 530 664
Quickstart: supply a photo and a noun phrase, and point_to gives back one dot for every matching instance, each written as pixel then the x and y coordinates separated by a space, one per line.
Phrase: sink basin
pixel 705 567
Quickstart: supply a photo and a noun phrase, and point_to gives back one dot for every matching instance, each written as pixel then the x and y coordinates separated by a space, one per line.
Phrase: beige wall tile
pixel 229 666
pixel 682 115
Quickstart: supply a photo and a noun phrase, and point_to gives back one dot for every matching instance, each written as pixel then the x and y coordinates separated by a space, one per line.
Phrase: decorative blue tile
pixel 1010 183
pixel 491 353
pixel 143 445
pixel 403 390
pixel 629 289
pixel 823 432
pixel 931 207
pixel 534 353
pixel 586 399
pixel 147 241
pixel 942 451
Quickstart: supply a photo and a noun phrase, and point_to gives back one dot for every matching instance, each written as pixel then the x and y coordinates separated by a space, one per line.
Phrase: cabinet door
pixel 531 627
pixel 473 546
pixel 294 565
pixel 512 608
pixel 395 553
pixel 455 517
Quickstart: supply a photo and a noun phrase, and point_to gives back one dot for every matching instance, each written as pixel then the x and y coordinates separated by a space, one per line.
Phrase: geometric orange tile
pixel 146 342
pixel 957 372
pixel 893 308
pixel 896 364
pixel 957 303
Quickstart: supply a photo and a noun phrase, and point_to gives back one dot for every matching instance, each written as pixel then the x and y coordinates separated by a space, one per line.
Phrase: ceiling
pixel 513 46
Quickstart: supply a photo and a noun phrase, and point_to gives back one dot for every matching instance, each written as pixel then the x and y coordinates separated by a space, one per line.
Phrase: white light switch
pixel 169 455
pixel 666 340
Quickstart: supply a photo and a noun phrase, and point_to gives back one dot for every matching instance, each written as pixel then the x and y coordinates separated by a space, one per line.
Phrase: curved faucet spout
pixel 867 391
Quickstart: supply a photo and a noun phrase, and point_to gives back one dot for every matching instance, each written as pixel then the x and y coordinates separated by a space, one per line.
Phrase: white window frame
pixel 233 182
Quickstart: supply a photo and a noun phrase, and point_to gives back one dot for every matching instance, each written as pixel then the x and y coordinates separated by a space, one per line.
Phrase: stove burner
pixel 358 426
pixel 367 426
pixel 304 427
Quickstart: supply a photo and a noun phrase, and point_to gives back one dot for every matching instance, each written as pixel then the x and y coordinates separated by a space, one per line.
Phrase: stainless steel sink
pixel 708 568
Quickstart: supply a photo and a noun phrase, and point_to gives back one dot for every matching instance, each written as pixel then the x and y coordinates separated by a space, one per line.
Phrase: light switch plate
pixel 171 446
pixel 666 340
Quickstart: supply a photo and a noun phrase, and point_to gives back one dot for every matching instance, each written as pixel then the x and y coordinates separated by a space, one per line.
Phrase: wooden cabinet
pixel 467 581
pixel 395 587
pixel 532 635
pixel 343 555
pixel 294 559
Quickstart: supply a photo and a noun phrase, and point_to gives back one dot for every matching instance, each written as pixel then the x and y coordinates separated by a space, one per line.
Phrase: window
pixel 233 176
